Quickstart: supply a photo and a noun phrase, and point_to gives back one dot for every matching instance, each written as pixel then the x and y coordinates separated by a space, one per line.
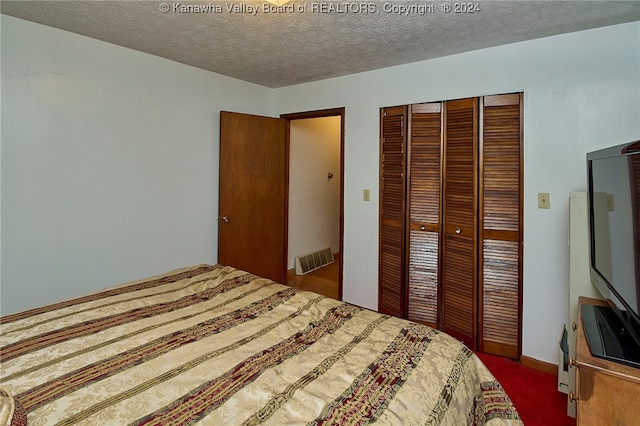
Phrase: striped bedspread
pixel 213 345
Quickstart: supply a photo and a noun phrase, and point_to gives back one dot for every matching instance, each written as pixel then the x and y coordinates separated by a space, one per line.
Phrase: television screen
pixel 614 228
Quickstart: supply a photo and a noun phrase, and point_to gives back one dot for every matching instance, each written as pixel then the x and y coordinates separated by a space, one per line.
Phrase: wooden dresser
pixel 608 393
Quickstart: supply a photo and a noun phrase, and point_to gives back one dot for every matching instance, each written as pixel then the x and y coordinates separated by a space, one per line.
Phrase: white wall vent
pixel 312 261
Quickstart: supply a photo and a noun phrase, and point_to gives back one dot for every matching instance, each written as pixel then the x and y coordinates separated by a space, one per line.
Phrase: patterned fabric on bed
pixel 213 345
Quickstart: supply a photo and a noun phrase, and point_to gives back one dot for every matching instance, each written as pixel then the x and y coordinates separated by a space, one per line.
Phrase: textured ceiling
pixel 308 41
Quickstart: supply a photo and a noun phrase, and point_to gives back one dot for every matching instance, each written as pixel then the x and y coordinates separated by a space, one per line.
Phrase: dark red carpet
pixel 534 393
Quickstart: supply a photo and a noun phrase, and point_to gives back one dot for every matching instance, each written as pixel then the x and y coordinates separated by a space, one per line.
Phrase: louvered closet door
pixel 459 287
pixel 425 135
pixel 392 211
pixel 501 225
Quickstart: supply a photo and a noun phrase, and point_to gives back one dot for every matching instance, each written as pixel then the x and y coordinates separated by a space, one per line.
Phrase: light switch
pixel 543 200
pixel 366 195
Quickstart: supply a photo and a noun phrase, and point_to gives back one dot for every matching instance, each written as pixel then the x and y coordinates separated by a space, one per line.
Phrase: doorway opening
pixel 315 197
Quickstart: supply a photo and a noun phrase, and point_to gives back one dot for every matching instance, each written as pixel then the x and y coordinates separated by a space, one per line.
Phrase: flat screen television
pixel 613 331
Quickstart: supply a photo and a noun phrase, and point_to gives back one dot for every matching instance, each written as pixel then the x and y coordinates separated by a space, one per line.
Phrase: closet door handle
pixel 458 230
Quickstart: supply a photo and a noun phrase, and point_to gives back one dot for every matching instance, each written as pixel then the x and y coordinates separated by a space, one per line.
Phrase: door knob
pixel 458 230
pixel 224 219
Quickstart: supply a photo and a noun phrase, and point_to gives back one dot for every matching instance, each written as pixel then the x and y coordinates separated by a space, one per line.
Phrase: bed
pixel 213 345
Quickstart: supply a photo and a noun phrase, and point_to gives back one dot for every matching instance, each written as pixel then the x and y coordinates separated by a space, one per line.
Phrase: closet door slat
pixel 391 292
pixel 501 225
pixel 459 284
pixel 424 182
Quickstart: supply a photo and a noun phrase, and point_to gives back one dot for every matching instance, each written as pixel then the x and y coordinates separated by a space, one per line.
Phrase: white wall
pixel 109 163
pixel 314 200
pixel 581 92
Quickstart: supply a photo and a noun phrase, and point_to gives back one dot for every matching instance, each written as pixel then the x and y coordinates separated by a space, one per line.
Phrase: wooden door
pixel 391 285
pixel 423 199
pixel 451 218
pixel 252 198
pixel 459 253
pixel 500 227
